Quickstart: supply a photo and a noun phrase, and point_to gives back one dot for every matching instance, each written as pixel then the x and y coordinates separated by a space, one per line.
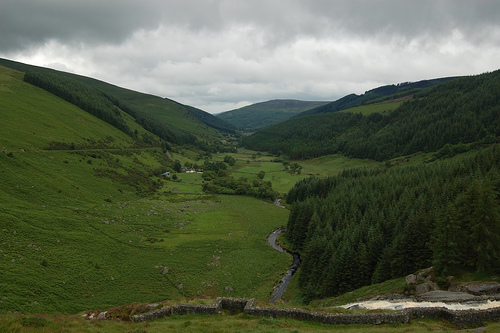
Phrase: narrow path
pixel 281 288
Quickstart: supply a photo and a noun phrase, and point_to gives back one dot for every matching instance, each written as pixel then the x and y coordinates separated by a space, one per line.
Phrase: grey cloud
pixel 218 53
pixel 27 22
pixel 408 18
pixel 24 23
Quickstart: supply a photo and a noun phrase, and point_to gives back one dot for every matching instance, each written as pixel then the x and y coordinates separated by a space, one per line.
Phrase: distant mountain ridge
pixel 376 95
pixel 458 112
pixel 259 115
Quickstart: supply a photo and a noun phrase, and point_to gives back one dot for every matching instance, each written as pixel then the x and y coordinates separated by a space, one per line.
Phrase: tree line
pixel 82 95
pixel 364 227
pixel 218 179
pixel 106 107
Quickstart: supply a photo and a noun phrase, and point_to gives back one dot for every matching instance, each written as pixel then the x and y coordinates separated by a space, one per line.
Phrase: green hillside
pixel 462 111
pixel 256 116
pixel 86 223
pixel 377 95
pixel 183 123
pixel 385 107
pixel 28 125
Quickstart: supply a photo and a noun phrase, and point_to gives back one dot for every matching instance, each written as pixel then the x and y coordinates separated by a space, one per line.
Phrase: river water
pixel 280 289
pixel 405 304
pixel 373 304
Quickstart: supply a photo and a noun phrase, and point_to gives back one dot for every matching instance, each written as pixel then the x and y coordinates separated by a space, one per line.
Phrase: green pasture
pixel 282 180
pixel 330 165
pixel 185 185
pixel 71 240
pixel 383 108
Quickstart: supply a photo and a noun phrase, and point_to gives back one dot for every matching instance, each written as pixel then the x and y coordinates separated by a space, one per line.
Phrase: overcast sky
pixel 219 55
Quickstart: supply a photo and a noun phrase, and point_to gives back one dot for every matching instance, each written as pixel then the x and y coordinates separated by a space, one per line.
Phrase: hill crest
pixel 259 115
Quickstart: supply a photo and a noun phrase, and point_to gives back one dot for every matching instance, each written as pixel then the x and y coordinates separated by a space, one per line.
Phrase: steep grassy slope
pixel 27 124
pixel 160 111
pixel 87 224
pixel 253 117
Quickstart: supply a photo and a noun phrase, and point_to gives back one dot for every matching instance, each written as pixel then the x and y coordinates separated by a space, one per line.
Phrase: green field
pixel 27 124
pixel 72 241
pixel 383 108
pixel 249 165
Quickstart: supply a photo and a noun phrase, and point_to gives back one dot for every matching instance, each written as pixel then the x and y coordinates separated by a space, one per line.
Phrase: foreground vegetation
pixel 74 240
pixel 197 323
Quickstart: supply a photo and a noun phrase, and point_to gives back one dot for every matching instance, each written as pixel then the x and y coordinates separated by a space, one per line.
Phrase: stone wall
pixel 247 306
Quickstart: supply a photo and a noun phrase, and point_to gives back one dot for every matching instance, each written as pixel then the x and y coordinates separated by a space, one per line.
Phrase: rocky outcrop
pixel 477 288
pixel 446 296
pixel 421 282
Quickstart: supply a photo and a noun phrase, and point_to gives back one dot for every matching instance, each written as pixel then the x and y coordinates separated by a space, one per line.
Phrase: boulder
pixel 477 288
pixel 423 288
pixel 446 296
pixel 411 279
pixel 421 282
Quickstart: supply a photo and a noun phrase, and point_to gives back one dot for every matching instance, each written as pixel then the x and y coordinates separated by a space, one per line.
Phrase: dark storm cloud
pixel 25 23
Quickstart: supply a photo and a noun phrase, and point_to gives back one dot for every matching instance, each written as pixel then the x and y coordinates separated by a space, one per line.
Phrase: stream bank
pixel 281 288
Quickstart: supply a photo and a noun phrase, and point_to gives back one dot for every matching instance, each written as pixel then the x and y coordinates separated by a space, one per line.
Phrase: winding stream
pixel 280 289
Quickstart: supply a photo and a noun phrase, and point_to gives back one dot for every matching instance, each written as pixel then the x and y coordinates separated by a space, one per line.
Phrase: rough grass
pixel 15 322
pixel 32 118
pixel 330 165
pixel 72 241
pixel 382 108
pixel 249 164
pixel 364 293
pixel 81 229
